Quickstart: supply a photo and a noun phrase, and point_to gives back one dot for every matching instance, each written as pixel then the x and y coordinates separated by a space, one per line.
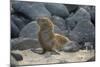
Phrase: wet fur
pixel 49 40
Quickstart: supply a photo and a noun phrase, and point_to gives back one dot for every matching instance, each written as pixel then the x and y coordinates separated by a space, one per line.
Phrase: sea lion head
pixel 45 22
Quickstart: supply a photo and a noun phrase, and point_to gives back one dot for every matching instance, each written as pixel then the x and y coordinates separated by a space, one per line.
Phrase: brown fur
pixel 49 40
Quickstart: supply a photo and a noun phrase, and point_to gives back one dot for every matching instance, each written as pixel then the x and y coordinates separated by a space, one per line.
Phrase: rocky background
pixel 74 21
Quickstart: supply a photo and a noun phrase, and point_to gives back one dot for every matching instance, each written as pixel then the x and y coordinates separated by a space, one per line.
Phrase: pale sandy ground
pixel 31 58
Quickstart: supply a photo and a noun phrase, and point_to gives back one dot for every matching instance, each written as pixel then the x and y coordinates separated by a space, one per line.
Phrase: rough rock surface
pixel 71 47
pixel 60 22
pixel 32 11
pixel 83 32
pixel 81 15
pixel 19 22
pixel 30 30
pixel 91 10
pixel 24 43
pixel 30 57
pixel 57 9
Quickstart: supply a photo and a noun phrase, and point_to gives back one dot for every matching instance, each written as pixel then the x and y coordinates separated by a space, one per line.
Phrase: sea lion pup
pixel 49 40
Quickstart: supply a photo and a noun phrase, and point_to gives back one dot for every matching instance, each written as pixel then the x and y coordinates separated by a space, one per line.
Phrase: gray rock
pixel 83 32
pixel 31 10
pixel 24 43
pixel 18 57
pixel 19 23
pixel 23 18
pixel 80 16
pixel 57 9
pixel 71 47
pixel 91 10
pixel 85 7
pixel 59 31
pixel 72 8
pixel 60 22
pixel 31 30
pixel 14 30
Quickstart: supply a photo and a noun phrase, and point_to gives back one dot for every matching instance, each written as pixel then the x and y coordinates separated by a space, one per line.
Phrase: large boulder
pixel 19 22
pixel 59 31
pixel 71 47
pixel 31 10
pixel 23 18
pixel 57 9
pixel 24 43
pixel 91 10
pixel 60 22
pixel 83 32
pixel 80 16
pixel 31 30
pixel 14 30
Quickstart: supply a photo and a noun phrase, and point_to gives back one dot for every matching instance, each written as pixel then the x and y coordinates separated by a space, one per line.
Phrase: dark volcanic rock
pixel 80 16
pixel 91 10
pixel 18 57
pixel 83 32
pixel 19 23
pixel 14 30
pixel 72 8
pixel 31 30
pixel 60 22
pixel 31 10
pixel 57 9
pixel 58 30
pixel 24 43
pixel 22 17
